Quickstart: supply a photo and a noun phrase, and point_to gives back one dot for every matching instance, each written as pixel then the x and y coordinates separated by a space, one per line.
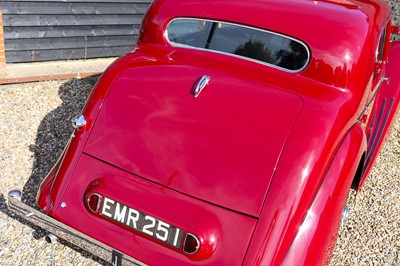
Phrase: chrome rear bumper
pixel 67 233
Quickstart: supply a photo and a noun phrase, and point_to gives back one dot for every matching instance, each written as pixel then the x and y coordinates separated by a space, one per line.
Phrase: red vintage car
pixel 231 134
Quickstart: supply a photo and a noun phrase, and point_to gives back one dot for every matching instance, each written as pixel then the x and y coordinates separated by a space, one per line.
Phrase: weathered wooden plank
pixel 70 42
pixel 68 31
pixel 41 30
pixel 63 8
pixel 70 20
pixel 64 54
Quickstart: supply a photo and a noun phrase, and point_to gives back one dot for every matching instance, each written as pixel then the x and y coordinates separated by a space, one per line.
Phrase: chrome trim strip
pixel 65 232
pixel 386 79
pixel 380 128
pixel 376 129
pixel 238 56
pixel 380 49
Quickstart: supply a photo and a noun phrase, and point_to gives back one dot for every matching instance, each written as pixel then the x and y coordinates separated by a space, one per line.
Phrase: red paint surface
pixel 217 228
pixel 207 147
pixel 249 158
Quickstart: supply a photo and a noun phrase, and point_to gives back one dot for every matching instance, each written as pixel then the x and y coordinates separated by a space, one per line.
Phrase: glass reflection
pixel 264 46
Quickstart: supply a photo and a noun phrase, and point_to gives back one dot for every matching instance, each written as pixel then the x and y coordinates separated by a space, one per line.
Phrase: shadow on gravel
pixel 53 133
pixel 52 136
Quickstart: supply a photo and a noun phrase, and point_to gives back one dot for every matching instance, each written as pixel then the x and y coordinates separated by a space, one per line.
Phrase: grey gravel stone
pixel 34 128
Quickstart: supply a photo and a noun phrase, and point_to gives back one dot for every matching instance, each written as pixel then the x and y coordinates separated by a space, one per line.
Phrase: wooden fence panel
pixel 43 30
pixel 2 48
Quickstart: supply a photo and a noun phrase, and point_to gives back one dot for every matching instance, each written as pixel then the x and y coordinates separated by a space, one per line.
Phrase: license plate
pixel 142 222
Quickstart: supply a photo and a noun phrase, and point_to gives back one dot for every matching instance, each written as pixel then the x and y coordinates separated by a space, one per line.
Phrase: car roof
pixel 339 33
pixel 292 17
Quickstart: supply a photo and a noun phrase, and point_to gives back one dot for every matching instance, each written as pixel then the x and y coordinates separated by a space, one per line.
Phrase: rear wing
pixel 395 30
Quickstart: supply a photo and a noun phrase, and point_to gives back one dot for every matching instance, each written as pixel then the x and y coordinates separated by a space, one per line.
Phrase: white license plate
pixel 142 222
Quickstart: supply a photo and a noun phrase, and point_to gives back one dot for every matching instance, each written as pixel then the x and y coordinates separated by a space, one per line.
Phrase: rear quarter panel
pixel 385 109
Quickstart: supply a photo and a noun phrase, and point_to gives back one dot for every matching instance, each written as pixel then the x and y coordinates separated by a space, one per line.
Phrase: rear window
pixel 263 46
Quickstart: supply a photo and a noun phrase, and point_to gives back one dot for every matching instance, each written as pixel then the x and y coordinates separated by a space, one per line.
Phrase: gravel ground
pixel 34 127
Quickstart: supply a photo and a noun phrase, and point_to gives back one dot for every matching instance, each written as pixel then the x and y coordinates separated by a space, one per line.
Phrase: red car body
pixel 256 167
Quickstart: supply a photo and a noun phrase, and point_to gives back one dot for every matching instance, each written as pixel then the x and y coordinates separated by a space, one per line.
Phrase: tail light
pixel 93 202
pixel 191 244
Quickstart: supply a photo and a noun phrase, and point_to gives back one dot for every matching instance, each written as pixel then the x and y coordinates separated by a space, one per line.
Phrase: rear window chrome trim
pixel 179 45
pixel 380 48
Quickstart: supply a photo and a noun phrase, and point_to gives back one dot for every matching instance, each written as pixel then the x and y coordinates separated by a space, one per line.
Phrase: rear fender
pixel 53 185
pixel 385 108
pixel 395 30
pixel 315 240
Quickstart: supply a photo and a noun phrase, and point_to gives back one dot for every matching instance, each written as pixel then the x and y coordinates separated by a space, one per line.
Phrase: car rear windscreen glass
pixel 251 43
